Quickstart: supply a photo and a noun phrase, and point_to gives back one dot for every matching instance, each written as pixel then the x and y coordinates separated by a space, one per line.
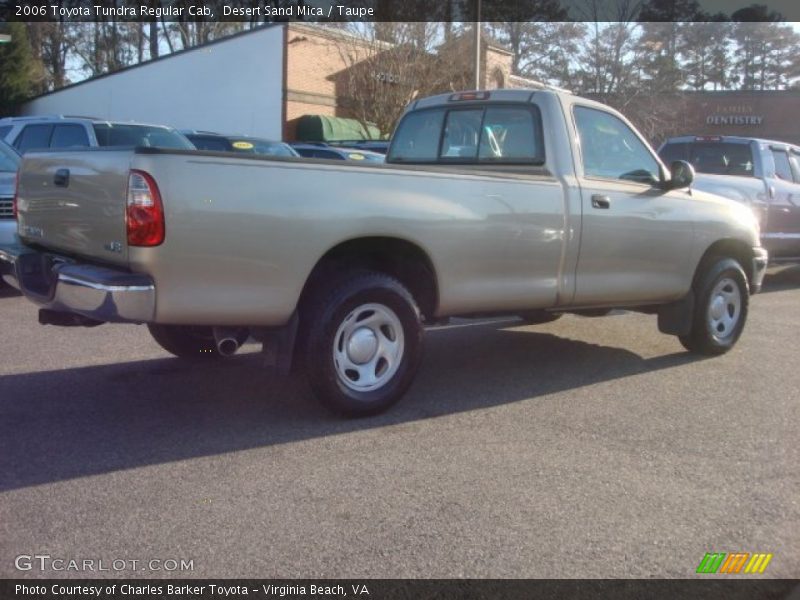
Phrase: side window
pixel 610 149
pixel 461 133
pixel 69 136
pixel 794 160
pixel 511 135
pixel 33 137
pixel 782 168
pixel 417 137
pixel 4 131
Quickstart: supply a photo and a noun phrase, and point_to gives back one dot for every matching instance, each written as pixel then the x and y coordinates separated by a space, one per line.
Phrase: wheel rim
pixel 368 347
pixel 724 308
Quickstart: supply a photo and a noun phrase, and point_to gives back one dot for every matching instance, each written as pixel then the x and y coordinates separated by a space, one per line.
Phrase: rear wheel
pixel 185 341
pixel 721 305
pixel 362 344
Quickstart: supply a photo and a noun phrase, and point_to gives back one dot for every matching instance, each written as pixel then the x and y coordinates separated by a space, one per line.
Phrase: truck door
pixel 636 239
pixel 783 230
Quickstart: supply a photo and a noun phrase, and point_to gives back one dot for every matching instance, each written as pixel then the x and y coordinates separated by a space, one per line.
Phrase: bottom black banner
pixel 379 589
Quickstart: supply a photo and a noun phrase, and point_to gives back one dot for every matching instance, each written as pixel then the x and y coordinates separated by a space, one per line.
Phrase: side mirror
pixel 682 175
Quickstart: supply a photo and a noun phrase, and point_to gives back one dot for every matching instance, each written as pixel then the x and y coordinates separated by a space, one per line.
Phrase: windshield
pixel 258 146
pixel 716 158
pixel 9 160
pixel 367 156
pixel 111 134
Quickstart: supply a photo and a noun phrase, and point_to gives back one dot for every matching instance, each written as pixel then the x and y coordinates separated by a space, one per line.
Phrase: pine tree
pixel 15 69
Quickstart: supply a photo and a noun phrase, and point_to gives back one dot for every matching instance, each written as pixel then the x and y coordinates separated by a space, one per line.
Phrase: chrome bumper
pixel 760 260
pixel 63 285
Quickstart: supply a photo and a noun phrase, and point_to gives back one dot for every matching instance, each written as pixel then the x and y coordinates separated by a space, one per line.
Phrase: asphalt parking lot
pixel 581 448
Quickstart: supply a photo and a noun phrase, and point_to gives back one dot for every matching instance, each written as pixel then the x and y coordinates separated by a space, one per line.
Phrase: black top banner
pixel 399 10
pixel 400 589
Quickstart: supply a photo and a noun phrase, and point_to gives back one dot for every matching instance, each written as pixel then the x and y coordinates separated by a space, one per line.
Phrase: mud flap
pixel 676 318
pixel 278 346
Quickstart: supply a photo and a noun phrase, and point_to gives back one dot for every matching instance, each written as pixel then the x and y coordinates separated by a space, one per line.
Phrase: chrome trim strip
pixel 102 287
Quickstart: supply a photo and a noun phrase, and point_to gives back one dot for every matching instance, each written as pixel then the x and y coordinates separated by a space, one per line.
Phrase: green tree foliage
pixel 15 69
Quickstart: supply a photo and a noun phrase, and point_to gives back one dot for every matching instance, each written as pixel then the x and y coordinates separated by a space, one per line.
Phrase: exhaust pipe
pixel 228 339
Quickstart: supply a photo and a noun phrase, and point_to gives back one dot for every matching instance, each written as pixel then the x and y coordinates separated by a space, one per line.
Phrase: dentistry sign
pixel 737 114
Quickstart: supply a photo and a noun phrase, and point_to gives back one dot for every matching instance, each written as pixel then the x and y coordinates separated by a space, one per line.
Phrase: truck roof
pixel 729 139
pixel 499 95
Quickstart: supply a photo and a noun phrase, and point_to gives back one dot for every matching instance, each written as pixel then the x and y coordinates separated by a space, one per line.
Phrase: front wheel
pixel 721 303
pixel 362 344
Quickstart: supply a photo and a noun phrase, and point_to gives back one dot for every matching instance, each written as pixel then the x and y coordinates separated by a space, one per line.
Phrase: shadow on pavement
pixel 6 291
pixel 62 424
pixel 779 279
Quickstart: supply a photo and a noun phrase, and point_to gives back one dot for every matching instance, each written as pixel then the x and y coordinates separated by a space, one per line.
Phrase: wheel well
pixel 401 259
pixel 735 249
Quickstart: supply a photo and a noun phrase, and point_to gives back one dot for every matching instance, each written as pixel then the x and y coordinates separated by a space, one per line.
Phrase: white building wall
pixel 233 86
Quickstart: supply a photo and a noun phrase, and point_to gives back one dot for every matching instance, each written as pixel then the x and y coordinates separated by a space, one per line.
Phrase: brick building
pixel 773 115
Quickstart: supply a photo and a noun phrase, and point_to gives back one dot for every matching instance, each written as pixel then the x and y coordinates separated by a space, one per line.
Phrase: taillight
pixel 145 213
pixel 16 194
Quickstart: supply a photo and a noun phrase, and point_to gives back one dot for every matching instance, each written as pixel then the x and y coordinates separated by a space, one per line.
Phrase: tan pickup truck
pixel 522 202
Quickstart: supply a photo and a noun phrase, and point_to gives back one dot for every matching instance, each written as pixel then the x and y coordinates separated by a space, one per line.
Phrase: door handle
pixel 61 178
pixel 601 201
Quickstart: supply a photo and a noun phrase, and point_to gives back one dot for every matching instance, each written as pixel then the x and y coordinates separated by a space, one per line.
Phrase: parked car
pixel 216 142
pixel 552 203
pixel 763 174
pixel 379 146
pixel 321 150
pixel 38 133
pixel 9 163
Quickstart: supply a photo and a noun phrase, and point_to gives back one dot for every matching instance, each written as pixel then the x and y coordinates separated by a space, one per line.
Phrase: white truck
pixel 522 202
pixel 762 174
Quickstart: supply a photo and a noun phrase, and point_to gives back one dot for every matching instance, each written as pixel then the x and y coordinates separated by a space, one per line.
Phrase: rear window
pixel 484 134
pixel 4 131
pixel 717 158
pixel 109 134
pixel 263 147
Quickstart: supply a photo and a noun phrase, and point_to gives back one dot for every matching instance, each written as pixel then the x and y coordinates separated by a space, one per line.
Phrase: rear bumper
pixel 63 285
pixel 760 261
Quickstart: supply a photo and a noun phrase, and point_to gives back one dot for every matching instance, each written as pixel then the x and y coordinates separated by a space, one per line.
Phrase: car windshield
pixel 114 134
pixel 259 146
pixel 367 156
pixel 9 160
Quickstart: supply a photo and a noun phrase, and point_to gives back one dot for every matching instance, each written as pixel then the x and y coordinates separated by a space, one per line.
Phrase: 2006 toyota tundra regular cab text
pixel 525 202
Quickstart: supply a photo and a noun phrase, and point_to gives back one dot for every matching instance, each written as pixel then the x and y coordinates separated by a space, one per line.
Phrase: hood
pixel 738 213
pixel 748 190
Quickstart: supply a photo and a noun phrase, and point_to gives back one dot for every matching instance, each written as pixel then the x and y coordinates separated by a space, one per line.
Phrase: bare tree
pixel 380 78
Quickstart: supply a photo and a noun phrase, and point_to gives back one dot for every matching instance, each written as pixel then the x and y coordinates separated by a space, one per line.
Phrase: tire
pixel 721 304
pixel 539 317
pixel 186 341
pixel 361 344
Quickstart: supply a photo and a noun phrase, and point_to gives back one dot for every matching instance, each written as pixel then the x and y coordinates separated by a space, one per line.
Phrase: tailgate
pixel 74 202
